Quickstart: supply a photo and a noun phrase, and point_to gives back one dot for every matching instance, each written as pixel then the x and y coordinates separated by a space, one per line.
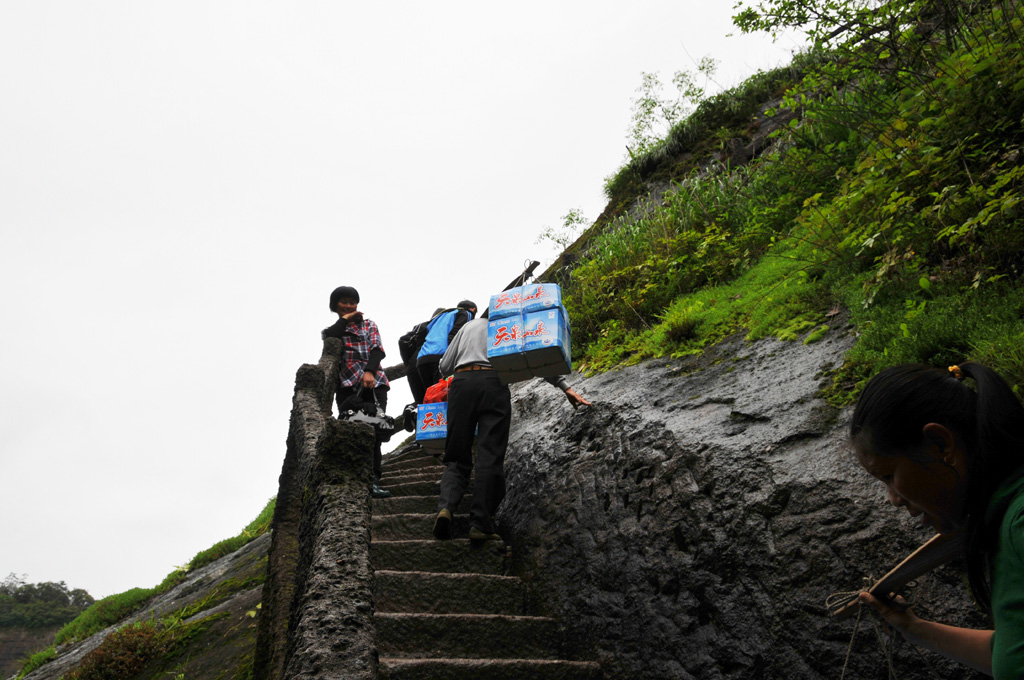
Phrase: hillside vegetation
pixel 888 190
pixel 131 647
pixel 892 191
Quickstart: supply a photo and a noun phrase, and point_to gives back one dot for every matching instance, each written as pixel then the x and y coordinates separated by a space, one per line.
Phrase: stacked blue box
pixel 505 350
pixel 546 342
pixel 531 337
pixel 506 303
pixel 537 297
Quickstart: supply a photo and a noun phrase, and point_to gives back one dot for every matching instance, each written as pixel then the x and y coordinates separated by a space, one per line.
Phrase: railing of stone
pixel 316 616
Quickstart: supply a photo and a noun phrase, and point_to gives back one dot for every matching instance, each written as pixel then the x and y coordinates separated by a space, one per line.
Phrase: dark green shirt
pixel 1008 585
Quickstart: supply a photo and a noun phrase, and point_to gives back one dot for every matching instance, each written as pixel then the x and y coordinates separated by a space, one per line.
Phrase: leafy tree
pixel 39 605
pixel 573 224
pixel 654 115
pixel 12 583
pixel 821 20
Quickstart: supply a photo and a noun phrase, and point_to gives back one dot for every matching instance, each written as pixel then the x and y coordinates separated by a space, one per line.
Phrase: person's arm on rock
pixel 572 395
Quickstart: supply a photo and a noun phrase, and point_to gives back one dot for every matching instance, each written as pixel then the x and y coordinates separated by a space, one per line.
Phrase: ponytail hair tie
pixel 956 372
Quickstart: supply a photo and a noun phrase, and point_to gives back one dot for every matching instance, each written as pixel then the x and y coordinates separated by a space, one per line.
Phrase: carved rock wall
pixel 317 604
pixel 692 523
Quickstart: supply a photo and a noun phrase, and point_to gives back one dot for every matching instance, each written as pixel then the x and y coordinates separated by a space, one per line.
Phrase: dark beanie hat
pixel 343 292
pixel 466 304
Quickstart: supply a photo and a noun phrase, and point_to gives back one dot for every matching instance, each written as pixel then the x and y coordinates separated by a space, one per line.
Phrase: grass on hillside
pixel 115 608
pixel 130 649
pixel 725 117
pixel 895 191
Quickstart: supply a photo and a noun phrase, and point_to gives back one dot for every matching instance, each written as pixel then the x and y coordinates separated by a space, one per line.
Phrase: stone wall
pixel 692 523
pixel 317 603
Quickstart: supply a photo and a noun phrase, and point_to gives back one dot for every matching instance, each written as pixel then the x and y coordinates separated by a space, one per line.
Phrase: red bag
pixel 438 392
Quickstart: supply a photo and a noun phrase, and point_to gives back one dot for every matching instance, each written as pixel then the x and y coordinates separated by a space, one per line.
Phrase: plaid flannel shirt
pixel 359 339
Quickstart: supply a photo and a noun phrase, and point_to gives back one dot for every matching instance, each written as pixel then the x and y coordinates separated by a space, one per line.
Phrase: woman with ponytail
pixel 954 456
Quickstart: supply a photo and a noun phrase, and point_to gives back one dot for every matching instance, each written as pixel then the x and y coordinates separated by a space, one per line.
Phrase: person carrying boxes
pixel 478 399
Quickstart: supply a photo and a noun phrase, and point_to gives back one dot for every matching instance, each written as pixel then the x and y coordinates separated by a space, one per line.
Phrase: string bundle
pixel 840 600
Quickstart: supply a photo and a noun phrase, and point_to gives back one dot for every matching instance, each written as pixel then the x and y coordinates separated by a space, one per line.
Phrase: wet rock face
pixel 693 522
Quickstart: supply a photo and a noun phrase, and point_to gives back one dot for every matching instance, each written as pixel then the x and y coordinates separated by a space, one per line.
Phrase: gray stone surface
pixel 445 610
pixel 331 633
pixel 318 598
pixel 692 522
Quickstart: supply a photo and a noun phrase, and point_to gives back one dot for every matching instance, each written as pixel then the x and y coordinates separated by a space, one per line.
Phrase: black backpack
pixel 410 343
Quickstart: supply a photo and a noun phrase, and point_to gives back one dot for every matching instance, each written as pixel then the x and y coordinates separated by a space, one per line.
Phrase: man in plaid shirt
pixel 360 371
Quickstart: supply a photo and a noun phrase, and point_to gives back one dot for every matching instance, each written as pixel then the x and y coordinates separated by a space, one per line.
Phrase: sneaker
pixel 477 534
pixel 378 492
pixel 443 525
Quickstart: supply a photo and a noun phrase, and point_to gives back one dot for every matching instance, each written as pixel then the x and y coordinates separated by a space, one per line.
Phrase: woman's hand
pixel 899 617
pixel 966 645
pixel 367 381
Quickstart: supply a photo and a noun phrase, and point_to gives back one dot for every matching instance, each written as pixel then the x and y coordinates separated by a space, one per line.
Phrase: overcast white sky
pixel 183 183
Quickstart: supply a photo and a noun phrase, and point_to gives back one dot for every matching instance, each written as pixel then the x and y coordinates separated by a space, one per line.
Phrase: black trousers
pixel 416 385
pixel 477 400
pixel 429 373
pixel 381 393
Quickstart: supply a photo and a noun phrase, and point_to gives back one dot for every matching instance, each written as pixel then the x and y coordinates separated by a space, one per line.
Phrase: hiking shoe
pixel 409 417
pixel 378 492
pixel 443 525
pixel 478 534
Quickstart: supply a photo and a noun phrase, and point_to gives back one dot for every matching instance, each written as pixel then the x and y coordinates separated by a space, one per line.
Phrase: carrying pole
pixel 940 549
pixel 521 279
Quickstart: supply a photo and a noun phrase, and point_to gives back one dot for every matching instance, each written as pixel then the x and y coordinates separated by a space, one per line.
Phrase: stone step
pixel 410 461
pixel 417 485
pixel 467 636
pixel 413 482
pixel 487 669
pixel 415 504
pixel 420 488
pixel 415 475
pixel 458 556
pixel 407 526
pixel 428 593
pixel 412 466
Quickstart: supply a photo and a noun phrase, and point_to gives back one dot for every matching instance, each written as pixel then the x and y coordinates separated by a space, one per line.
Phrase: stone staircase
pixel 446 610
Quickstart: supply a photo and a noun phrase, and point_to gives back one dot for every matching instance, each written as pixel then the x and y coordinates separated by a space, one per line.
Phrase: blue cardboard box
pixel 546 342
pixel 432 423
pixel 506 303
pixel 537 297
pixel 505 344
